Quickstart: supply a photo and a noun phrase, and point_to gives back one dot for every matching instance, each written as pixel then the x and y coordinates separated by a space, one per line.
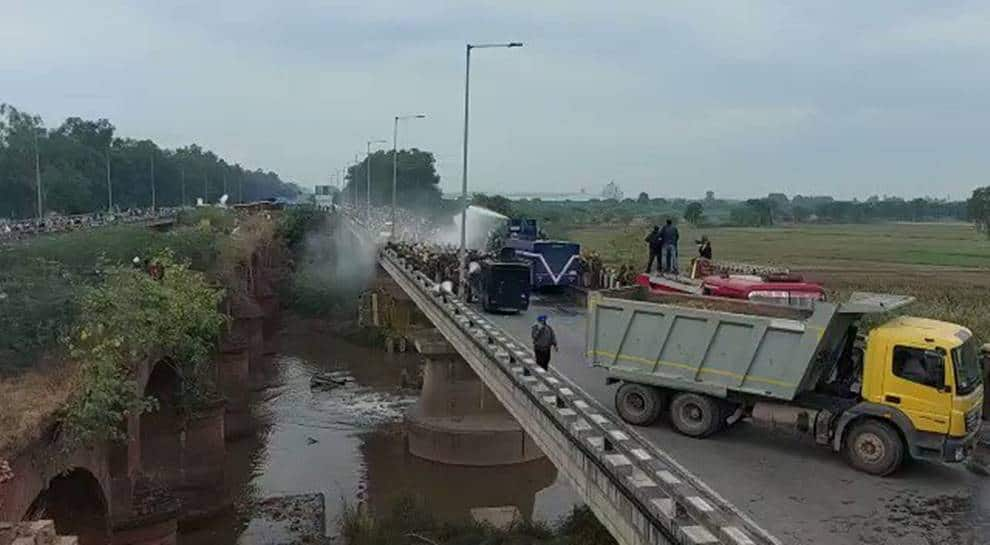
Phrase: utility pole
pixel 37 175
pixel 153 181
pixel 368 172
pixel 109 185
pixel 462 255
pixel 354 183
pixel 395 162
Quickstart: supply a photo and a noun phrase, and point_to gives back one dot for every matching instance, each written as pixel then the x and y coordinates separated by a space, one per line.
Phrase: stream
pixel 348 445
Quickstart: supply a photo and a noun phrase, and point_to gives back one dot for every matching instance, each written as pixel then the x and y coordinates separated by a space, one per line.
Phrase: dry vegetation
pixel 28 403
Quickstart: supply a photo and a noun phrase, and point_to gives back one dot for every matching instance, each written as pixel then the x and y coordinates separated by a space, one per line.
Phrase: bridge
pixel 640 493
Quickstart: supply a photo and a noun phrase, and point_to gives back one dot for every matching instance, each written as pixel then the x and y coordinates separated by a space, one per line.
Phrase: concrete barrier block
pixel 735 536
pixel 667 508
pixel 697 535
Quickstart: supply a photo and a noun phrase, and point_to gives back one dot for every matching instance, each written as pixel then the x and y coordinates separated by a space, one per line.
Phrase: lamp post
pixel 153 197
pixel 37 176
pixel 354 200
pixel 109 185
pixel 395 152
pixel 367 170
pixel 462 272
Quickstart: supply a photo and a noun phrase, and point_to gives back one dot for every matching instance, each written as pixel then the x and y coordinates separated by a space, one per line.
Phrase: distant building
pixel 324 194
pixel 612 191
pixel 709 196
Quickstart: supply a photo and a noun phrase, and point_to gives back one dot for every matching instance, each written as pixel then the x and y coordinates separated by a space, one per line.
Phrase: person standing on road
pixel 544 339
pixel 653 245
pixel 668 247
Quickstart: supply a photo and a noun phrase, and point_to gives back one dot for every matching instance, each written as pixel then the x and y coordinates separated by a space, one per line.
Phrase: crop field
pixel 945 266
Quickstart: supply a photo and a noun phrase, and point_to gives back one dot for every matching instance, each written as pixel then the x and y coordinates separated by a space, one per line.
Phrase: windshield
pixel 965 360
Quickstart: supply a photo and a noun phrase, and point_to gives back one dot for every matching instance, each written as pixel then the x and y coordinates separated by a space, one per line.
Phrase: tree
pixel 762 210
pixel 73 160
pixel 800 214
pixel 417 181
pixel 693 213
pixel 644 198
pixel 978 209
pixel 495 203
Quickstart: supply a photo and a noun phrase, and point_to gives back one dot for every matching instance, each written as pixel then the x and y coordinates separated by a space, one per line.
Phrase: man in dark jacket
pixel 543 340
pixel 653 245
pixel 668 247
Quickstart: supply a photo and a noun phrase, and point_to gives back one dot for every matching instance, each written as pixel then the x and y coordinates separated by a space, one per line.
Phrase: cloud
pixel 741 97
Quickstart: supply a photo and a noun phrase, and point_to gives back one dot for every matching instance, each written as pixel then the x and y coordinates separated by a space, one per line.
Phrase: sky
pixel 743 98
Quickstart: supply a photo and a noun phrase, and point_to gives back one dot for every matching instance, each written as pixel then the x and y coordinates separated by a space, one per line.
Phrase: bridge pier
pixel 458 420
pixel 201 492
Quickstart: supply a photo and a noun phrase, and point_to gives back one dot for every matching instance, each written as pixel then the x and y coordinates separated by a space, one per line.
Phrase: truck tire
pixel 874 447
pixel 638 404
pixel 695 415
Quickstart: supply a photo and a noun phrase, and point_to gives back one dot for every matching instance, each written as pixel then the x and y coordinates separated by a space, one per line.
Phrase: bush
pixel 134 316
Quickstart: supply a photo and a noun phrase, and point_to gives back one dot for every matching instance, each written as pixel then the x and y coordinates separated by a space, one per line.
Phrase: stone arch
pixel 161 428
pixel 76 501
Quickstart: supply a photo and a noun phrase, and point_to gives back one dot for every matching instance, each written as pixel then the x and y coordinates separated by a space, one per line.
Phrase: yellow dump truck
pixel 910 387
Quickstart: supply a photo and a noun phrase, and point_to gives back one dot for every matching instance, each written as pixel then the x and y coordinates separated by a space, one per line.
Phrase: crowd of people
pixel 13 230
pixel 662 244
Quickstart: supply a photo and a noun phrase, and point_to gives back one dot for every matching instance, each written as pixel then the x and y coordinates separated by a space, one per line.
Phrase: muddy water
pixel 348 444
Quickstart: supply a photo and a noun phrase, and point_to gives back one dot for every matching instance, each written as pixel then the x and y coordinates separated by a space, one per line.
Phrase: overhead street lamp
pixel 368 172
pixel 395 152
pixel 464 176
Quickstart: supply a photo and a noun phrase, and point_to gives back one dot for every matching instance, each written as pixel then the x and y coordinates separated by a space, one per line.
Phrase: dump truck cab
pixel 925 377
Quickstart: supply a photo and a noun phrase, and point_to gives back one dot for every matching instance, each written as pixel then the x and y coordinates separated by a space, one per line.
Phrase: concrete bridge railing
pixel 639 492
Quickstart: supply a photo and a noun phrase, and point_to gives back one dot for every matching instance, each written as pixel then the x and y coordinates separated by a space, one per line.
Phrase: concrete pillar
pixel 458 420
pixel 202 492
pixel 234 382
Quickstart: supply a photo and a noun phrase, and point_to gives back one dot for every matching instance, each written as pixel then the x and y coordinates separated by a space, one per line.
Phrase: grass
pixel 407 522
pixel 806 246
pixel 944 266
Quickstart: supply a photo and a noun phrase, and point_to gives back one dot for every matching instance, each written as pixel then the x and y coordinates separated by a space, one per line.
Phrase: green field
pixel 946 267
pixel 808 246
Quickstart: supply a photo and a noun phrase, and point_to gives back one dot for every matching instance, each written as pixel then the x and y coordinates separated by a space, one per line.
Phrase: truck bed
pixel 711 345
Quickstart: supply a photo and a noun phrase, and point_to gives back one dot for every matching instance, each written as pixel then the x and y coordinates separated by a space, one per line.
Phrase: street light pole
pixel 368 172
pixel 153 181
pixel 37 175
pixel 354 184
pixel 395 138
pixel 462 257
pixel 109 185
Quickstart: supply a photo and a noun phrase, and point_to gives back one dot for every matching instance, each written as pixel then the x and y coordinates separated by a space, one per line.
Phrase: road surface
pixel 801 492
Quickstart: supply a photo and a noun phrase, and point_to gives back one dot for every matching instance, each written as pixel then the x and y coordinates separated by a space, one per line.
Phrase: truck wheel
pixel 695 415
pixel 637 404
pixel 874 447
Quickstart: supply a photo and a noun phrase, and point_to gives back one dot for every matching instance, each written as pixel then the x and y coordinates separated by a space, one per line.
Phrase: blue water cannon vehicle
pixel 553 263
